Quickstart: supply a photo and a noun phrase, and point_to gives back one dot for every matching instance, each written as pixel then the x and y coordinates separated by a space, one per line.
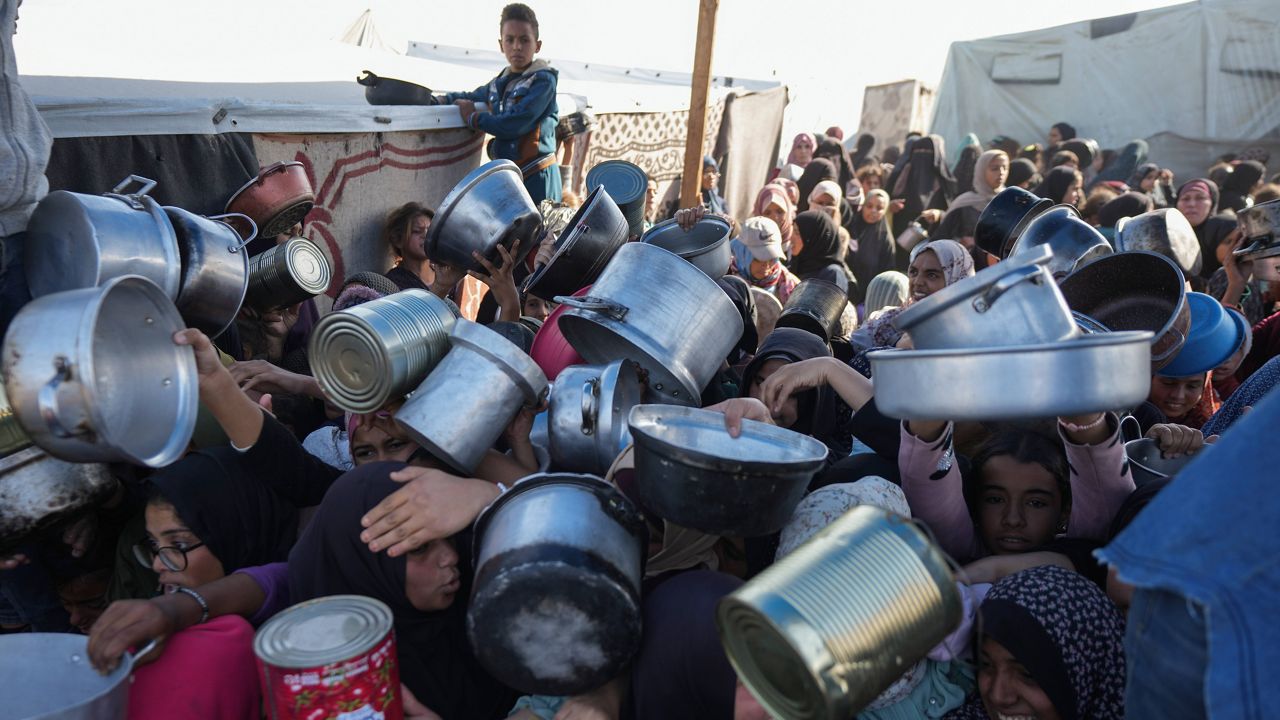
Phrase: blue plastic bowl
pixel 1214 336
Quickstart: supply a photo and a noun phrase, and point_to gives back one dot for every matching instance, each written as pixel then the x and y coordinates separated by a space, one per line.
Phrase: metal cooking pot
pixel 37 490
pixel 1134 291
pixel 816 306
pixel 587 420
pixel 588 242
pixel 628 185
pixel 490 207
pixel 690 471
pixel 48 677
pixel 1013 303
pixel 277 199
pixel 79 241
pixel 1091 373
pixel 654 308
pixel 822 632
pixel 555 606
pixel 94 375
pixel 768 310
pixel 1004 218
pixel 377 351
pixel 1147 463
pixel 471 396
pixel 285 275
pixel 389 91
pixel 1260 221
pixel 215 268
pixel 1165 231
pixel 706 244
pixel 1074 242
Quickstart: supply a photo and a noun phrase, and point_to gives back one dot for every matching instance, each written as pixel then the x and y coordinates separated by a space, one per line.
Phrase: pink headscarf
pixel 775 194
pixel 813 145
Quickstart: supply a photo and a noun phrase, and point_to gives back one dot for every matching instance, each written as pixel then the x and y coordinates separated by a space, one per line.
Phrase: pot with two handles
pixel 587 418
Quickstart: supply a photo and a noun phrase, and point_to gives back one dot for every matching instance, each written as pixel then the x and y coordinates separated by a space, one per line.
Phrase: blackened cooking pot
pixel 588 242
pixel 815 305
pixel 389 91
pixel 1004 219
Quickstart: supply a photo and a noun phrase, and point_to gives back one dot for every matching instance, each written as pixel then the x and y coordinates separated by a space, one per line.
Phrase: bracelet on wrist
pixel 204 606
pixel 1072 427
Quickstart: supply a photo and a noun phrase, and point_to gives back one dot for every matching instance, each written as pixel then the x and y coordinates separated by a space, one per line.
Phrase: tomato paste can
pixel 333 658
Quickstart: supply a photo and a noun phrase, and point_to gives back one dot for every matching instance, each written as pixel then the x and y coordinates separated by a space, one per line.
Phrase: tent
pixel 1195 80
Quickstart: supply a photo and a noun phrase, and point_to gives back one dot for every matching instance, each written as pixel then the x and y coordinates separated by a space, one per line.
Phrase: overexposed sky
pixel 826 52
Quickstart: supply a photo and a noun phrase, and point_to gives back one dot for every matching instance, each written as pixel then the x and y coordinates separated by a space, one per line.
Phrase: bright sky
pixel 826 52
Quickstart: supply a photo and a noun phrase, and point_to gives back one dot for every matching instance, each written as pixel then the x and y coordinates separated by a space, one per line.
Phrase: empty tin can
pixel 286 275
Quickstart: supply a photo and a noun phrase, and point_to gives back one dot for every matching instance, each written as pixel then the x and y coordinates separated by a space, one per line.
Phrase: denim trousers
pixel 1166 646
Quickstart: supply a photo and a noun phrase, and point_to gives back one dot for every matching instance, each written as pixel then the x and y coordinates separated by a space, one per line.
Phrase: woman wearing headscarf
pixel 1060 133
pixel 966 164
pixel 1051 645
pixel 1125 165
pixel 1245 179
pixel 710 189
pixel 774 203
pixel 1062 185
pixel 861 154
pixel 989 175
pixel 758 256
pixel 921 180
pixel 1198 202
pixel 872 249
pixel 821 254
pixel 802 147
pixel 887 290
pixel 832 150
pixel 1146 180
pixel 934 265
pixel 812 412
pixel 1130 204
pixel 819 170
pixel 1023 174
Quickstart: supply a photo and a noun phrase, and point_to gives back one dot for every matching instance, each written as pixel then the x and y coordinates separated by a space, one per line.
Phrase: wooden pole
pixel 691 183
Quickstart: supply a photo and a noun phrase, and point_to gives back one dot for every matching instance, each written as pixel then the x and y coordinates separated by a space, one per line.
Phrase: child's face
pixel 519 44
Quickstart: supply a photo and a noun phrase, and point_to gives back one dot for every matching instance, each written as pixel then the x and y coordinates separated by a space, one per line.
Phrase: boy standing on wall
pixel 522 112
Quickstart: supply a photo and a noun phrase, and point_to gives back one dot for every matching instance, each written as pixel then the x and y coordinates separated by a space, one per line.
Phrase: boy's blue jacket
pixel 522 114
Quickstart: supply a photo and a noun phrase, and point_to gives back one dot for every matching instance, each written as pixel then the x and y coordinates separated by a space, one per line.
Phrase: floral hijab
pixel 957 264
pixel 775 194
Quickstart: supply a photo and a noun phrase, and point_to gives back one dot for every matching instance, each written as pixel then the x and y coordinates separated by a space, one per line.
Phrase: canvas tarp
pixel 1195 80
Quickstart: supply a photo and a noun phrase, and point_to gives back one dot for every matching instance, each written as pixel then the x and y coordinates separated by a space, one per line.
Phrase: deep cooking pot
pixel 48 677
pixel 1260 221
pixel 79 241
pixel 691 472
pixel 277 199
pixel 1147 463
pixel 588 242
pixel 1004 219
pixel 1013 303
pixel 287 274
pixel 94 375
pixel 215 268
pixel 627 185
pixel 555 605
pixel 706 244
pixel 488 208
pixel 1134 291
pixel 1262 248
pixel 1074 242
pixel 815 305
pixel 466 402
pixel 1165 231
pixel 652 307
pixel 587 419
pixel 37 489
pixel 389 91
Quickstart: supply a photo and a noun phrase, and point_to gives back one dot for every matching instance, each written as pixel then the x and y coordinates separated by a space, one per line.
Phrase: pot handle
pixel 47 398
pixel 246 238
pixel 983 302
pixel 594 304
pixel 1130 430
pixel 272 169
pixel 1172 349
pixel 590 405
pixel 146 183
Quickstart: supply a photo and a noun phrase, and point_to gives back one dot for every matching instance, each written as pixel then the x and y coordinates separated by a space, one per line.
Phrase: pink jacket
pixel 1100 482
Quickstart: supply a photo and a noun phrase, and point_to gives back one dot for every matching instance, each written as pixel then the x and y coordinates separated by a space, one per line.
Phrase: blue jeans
pixel 1166 645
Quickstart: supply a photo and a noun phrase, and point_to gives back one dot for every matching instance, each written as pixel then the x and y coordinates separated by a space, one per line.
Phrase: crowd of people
pixel 282 497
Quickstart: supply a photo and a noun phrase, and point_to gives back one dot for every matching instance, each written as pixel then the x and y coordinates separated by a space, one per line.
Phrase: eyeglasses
pixel 173 557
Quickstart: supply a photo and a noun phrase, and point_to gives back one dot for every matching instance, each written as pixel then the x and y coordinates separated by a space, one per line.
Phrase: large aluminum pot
pixel 587 419
pixel 488 208
pixel 1133 291
pixel 215 268
pixel 555 605
pixel 822 632
pixel 815 305
pixel 94 375
pixel 690 471
pixel 287 274
pixel 369 354
pixel 1074 242
pixel 279 197
pixel 588 242
pixel 37 490
pixel 79 241
pixel 1165 231
pixel 1013 303
pixel 48 677
pixel 1004 218
pixel 471 396
pixel 627 184
pixel 1260 221
pixel 1092 373
pixel 706 244
pixel 652 307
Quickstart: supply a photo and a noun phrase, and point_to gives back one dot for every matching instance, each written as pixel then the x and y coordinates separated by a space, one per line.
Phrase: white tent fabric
pixel 1195 80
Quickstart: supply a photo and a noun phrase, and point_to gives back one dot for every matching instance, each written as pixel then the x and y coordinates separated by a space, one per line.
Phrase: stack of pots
pixel 367 355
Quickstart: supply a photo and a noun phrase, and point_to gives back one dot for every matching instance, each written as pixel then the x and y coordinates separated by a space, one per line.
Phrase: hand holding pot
pixel 1176 440
pixel 689 217
pixel 501 283
pixel 738 409
pixel 432 504
pixel 447 278
pixel 130 623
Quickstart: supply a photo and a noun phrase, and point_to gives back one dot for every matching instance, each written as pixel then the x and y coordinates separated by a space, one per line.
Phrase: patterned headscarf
pixel 957 264
pixel 821 507
pixel 775 194
pixel 1068 635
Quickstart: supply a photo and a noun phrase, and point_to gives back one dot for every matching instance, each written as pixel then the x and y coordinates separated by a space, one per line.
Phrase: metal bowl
pixel 706 244
pixel 1165 231
pixel 588 242
pixel 1074 242
pixel 488 208
pixel 1147 463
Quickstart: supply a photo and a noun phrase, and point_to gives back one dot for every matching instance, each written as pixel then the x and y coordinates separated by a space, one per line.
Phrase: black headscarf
pixel 1236 189
pixel 963 171
pixel 821 244
pixel 816 171
pixel 1020 171
pixel 1056 183
pixel 1135 180
pixel 241 520
pixel 436 661
pixel 1066 131
pixel 740 293
pixel 1213 230
pixel 816 411
pixel 1126 163
pixel 835 152
pixel 920 173
pixel 875 253
pixel 862 151
pixel 1130 204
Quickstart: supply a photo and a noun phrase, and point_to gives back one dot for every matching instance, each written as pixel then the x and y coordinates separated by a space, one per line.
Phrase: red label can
pixel 332 658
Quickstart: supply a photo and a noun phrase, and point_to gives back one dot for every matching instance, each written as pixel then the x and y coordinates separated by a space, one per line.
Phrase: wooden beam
pixel 691 183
